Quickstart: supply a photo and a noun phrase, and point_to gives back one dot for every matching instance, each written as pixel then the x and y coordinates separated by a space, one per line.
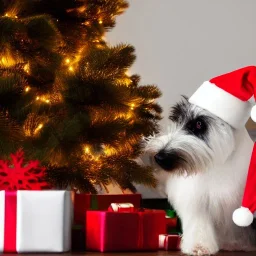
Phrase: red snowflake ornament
pixel 14 175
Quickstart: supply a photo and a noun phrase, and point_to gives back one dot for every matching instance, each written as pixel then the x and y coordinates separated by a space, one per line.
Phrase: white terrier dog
pixel 205 161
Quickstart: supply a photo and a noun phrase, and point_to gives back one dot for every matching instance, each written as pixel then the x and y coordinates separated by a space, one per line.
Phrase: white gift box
pixel 35 221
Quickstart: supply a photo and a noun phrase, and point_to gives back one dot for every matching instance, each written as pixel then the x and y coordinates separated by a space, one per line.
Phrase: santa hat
pixel 227 96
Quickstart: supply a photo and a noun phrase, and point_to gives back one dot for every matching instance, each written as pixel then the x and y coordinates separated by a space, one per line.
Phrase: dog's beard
pixel 191 154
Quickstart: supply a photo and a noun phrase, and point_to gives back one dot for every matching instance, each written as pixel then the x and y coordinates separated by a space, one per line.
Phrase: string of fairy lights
pixel 70 63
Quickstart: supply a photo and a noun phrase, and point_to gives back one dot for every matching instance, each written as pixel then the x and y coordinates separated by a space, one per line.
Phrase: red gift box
pixel 84 202
pixel 169 242
pixel 118 231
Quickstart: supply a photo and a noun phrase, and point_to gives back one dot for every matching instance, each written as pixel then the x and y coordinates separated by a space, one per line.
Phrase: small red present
pixel 170 242
pixel 118 231
pixel 84 202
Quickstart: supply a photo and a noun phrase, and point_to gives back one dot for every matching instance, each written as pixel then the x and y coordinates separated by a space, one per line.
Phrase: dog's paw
pixel 202 250
pixel 199 249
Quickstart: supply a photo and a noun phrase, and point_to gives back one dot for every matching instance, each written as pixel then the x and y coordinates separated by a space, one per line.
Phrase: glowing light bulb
pixel 132 108
pixel 71 68
pixel 26 68
pixel 47 101
pixel 87 150
pixel 81 9
pixel 100 21
pixel 128 116
pixel 16 17
pixel 7 15
pixel 67 61
pixel 37 98
pixel 87 23
pixel 39 127
pixel 27 89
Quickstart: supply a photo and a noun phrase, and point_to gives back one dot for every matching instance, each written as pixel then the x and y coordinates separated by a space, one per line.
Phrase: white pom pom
pixel 253 113
pixel 242 217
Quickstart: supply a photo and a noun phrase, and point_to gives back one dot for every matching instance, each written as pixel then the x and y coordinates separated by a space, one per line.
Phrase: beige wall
pixel 182 43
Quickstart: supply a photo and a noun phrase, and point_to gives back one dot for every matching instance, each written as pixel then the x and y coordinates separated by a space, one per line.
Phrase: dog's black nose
pixel 166 160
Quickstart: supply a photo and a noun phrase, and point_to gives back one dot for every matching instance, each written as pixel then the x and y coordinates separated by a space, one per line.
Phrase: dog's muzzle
pixel 166 160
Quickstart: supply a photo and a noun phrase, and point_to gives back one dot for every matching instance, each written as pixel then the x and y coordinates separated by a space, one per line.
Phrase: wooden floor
pixel 160 253
pixel 163 253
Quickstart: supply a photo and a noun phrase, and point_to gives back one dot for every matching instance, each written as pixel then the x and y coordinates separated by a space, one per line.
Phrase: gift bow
pixel 123 207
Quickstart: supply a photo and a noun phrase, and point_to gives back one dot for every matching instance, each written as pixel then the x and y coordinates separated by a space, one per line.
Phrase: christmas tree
pixel 66 97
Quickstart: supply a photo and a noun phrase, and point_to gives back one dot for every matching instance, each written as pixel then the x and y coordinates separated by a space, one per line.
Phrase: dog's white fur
pixel 206 195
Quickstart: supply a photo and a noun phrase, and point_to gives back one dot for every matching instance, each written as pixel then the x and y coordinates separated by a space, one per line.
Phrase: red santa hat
pixel 227 96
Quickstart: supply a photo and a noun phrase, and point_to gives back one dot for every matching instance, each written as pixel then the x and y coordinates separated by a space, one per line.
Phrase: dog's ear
pixel 179 110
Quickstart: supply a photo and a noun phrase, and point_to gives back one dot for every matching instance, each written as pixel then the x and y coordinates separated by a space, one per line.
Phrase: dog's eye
pixel 197 126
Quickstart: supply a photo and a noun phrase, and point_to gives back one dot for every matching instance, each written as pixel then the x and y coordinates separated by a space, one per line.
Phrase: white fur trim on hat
pixel 222 104
pixel 242 217
pixel 253 113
